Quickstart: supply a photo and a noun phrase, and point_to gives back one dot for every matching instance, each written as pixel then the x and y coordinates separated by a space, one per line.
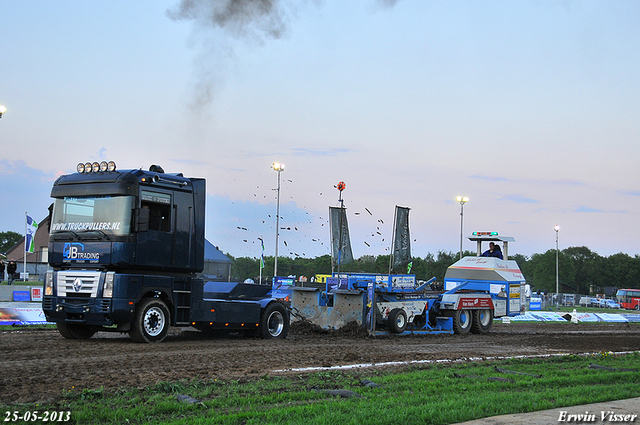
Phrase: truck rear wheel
pixel 397 320
pixel 274 322
pixel 482 321
pixel 462 320
pixel 152 320
pixel 75 331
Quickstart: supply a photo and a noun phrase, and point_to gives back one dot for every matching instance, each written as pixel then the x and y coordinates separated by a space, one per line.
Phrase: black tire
pixel 152 321
pixel 275 321
pixel 462 320
pixel 397 320
pixel 482 321
pixel 75 331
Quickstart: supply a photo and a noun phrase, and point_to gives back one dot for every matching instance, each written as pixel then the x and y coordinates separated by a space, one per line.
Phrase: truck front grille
pixel 78 283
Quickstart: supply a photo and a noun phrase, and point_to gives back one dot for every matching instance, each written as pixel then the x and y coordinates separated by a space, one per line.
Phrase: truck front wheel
pixel 75 331
pixel 275 321
pixel 152 320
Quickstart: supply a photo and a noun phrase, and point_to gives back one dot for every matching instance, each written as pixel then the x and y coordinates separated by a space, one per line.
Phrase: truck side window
pixel 159 216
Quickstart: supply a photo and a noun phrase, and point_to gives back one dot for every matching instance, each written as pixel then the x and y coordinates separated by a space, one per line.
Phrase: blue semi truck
pixel 126 249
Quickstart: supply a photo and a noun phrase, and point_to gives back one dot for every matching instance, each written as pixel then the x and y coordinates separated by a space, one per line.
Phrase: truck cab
pixel 125 247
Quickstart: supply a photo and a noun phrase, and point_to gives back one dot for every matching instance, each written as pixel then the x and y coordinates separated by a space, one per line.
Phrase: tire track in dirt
pixel 40 365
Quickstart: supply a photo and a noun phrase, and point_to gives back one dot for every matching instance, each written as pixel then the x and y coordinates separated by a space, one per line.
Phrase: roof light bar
pixel 95 167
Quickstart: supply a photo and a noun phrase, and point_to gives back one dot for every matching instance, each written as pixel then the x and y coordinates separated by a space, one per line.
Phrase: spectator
pixel 11 271
pixel 1 270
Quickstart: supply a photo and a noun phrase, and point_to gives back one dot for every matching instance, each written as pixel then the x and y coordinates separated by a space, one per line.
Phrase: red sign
pixel 36 294
pixel 475 303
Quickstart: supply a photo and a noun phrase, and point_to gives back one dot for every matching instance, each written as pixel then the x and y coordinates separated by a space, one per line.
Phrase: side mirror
pixel 50 214
pixel 143 220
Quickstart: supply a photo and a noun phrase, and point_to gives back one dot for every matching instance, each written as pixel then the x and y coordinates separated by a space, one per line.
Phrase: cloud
pixel 632 193
pixel 584 209
pixel 101 155
pixel 519 199
pixel 567 182
pixel 320 152
pixel 490 178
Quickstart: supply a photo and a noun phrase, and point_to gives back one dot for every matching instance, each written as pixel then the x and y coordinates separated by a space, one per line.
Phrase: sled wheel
pixel 275 321
pixel 397 320
pixel 482 321
pixel 75 331
pixel 462 321
pixel 152 320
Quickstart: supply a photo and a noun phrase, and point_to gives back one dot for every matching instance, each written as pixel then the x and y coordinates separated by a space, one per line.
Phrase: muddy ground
pixel 40 365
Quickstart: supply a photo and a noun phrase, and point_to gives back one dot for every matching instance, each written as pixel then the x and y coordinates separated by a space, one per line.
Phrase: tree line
pixel 580 270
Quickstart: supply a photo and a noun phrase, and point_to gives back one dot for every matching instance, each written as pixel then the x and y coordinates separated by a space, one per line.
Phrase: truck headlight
pixel 107 289
pixel 48 283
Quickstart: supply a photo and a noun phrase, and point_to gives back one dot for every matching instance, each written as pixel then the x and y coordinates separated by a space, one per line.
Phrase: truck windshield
pixel 110 215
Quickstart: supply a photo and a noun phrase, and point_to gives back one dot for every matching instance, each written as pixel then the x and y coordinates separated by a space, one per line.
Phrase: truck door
pixel 155 246
pixel 183 228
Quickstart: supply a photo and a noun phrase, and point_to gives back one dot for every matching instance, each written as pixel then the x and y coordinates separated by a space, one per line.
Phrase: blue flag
pixel 262 255
pixel 29 241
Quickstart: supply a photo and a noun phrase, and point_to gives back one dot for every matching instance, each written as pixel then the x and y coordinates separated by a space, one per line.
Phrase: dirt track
pixel 39 365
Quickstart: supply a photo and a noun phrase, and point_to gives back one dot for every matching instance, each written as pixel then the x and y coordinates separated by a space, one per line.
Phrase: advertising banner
pixel 401 239
pixel 340 241
pixel 22 316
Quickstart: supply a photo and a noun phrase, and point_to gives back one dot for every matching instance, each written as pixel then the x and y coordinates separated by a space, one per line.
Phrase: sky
pixel 528 108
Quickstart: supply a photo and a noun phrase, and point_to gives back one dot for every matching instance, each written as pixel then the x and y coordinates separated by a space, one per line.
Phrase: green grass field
pixel 434 394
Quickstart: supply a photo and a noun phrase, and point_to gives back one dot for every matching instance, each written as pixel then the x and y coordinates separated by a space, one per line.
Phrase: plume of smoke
pixel 252 21
pixel 247 20
pixel 388 3
pixel 238 18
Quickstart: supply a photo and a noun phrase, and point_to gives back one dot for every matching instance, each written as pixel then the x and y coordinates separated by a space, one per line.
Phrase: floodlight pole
pixel 279 168
pixel 462 200
pixel 557 228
